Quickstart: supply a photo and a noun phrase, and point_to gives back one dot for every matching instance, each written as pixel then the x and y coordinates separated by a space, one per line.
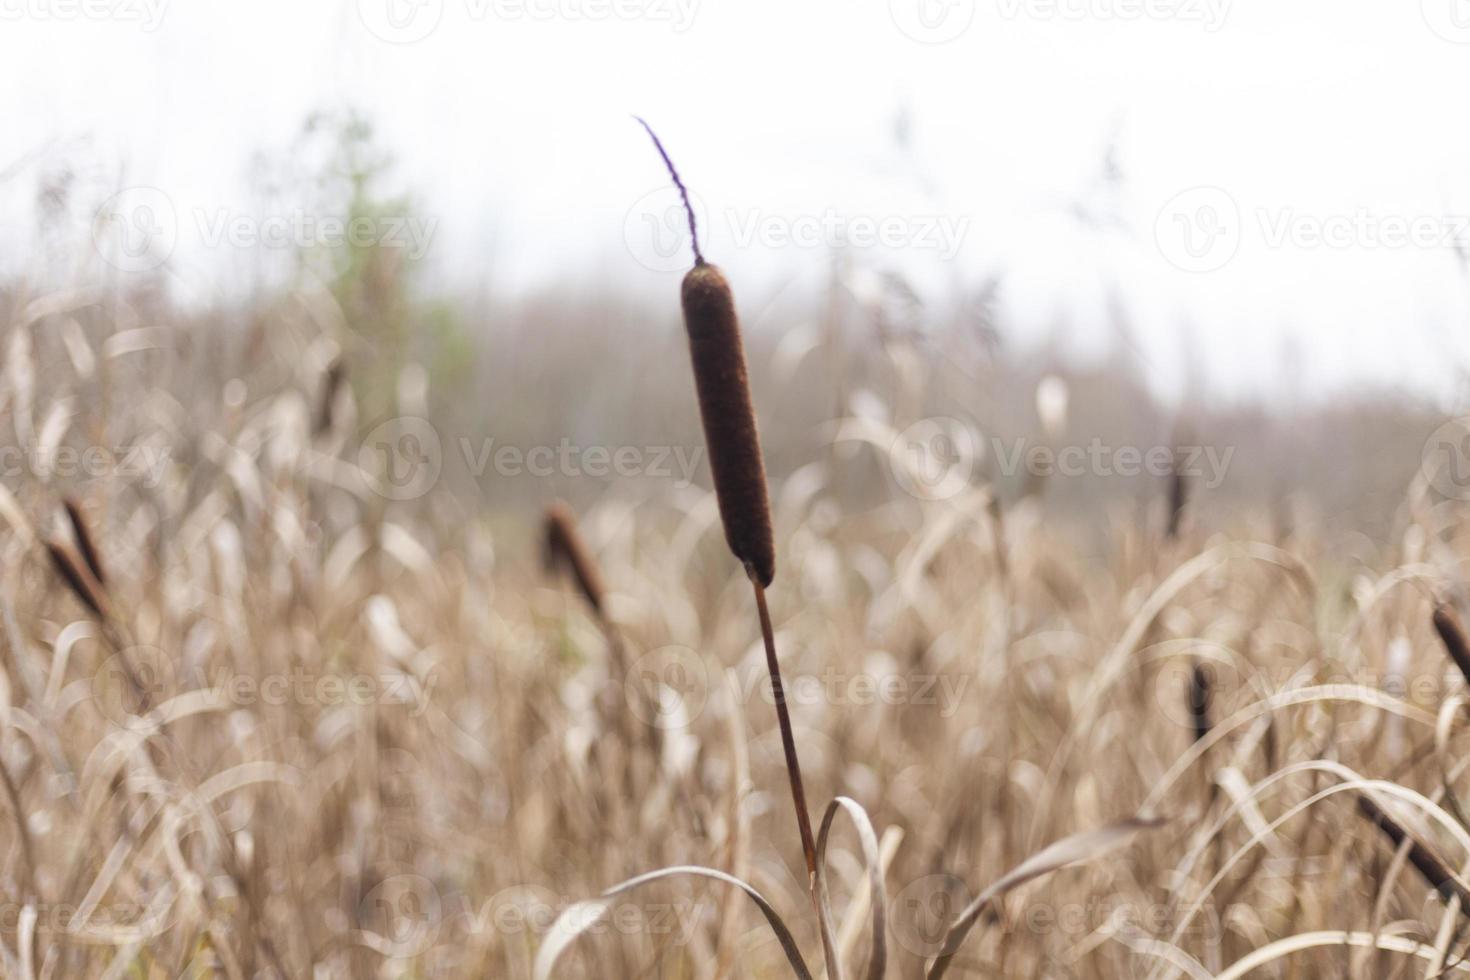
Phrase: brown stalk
pixel 1430 866
pixel 1452 635
pixel 788 739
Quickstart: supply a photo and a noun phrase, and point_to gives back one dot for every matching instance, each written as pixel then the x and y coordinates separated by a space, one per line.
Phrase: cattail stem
pixel 1452 635
pixel 788 739
pixel 1426 862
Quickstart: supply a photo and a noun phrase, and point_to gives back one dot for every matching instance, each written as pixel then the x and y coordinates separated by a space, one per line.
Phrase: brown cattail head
pixel 78 578
pixel 729 419
pixel 1452 635
pixel 86 544
pixel 724 402
pixel 331 384
pixel 565 549
pixel 1429 865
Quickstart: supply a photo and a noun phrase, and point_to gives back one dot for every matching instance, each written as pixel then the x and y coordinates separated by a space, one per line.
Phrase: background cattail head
pixel 725 408
pixel 1429 865
pixel 77 577
pixel 332 380
pixel 86 544
pixel 564 548
pixel 1452 635
pixel 1178 489
pixel 1201 693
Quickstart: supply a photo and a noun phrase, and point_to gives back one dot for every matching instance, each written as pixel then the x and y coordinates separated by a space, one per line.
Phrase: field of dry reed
pixel 272 705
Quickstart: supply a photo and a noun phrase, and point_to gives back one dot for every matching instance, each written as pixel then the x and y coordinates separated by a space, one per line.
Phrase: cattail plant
pixel 1452 635
pixel 1178 495
pixel 1200 696
pixel 733 444
pixel 81 575
pixel 564 549
pixel 74 572
pixel 1430 866
pixel 332 380
pixel 85 542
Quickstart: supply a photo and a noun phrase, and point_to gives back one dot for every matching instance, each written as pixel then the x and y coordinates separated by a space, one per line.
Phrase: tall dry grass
pixel 259 717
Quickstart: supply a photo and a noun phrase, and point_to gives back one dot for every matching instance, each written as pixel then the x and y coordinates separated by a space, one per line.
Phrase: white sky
pixel 510 121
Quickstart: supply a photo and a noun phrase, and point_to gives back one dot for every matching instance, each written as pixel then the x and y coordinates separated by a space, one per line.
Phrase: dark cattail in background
pixel 566 550
pixel 86 544
pixel 1452 635
pixel 78 578
pixel 1178 495
pixel 1200 696
pixel 1429 865
pixel 336 373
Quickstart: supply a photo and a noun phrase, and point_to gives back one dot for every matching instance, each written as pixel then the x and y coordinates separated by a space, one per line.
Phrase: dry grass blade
pixel 868 839
pixel 580 917
pixel 1086 846
pixel 1312 940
